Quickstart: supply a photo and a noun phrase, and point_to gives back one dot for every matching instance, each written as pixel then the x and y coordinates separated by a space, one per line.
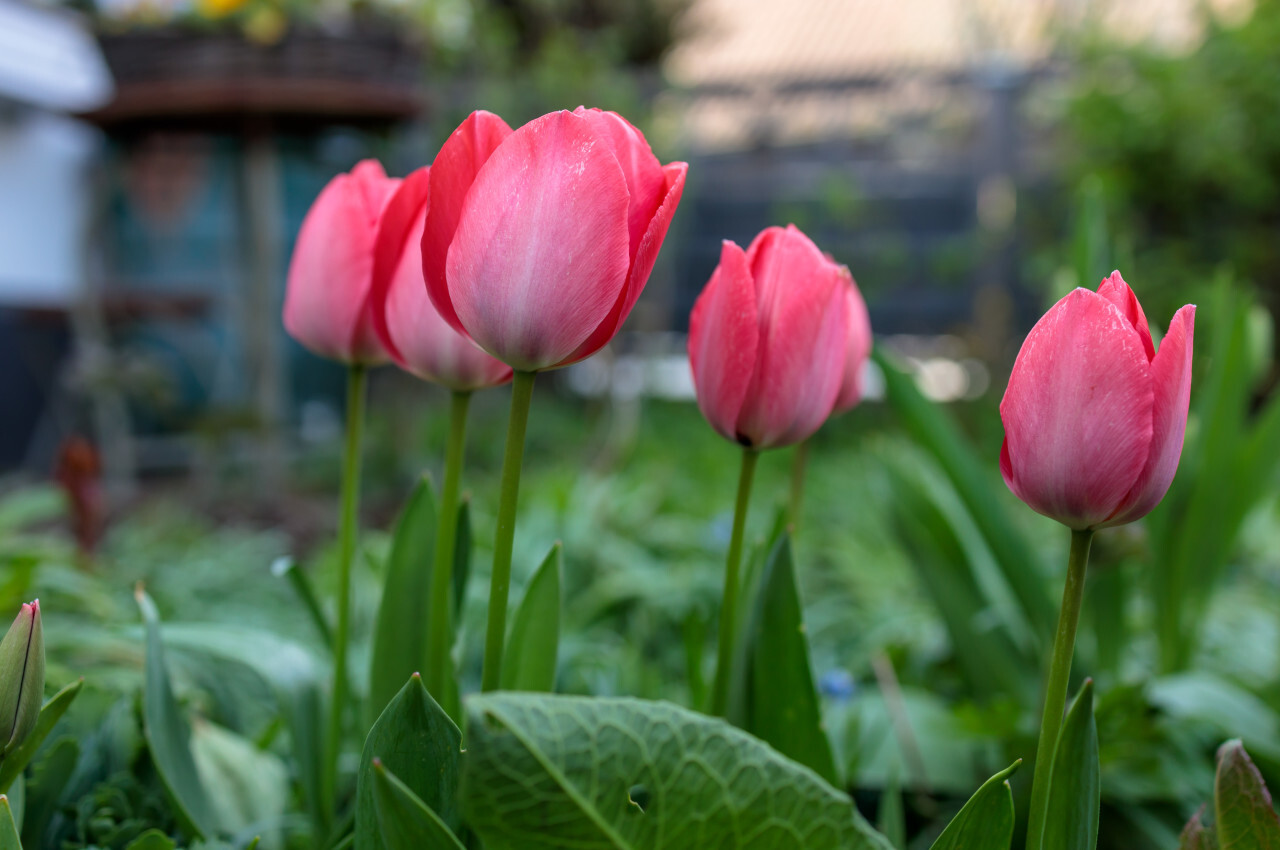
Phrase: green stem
pixel 439 625
pixel 1055 696
pixel 729 606
pixel 799 465
pixel 500 582
pixel 357 379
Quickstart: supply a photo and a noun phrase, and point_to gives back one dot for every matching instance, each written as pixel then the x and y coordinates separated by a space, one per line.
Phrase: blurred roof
pixel 48 60
pixel 741 43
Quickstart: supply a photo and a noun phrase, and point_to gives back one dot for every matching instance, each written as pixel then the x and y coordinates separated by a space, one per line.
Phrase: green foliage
pixel 986 822
pixel 1246 818
pixel 544 771
pixel 1075 788
pixel 405 822
pixel 50 714
pixel 529 663
pixel 9 839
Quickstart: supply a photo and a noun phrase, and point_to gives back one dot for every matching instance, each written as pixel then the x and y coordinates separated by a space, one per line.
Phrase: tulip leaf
pixel 168 734
pixel 49 778
pixel 778 701
pixel 547 771
pixel 529 663
pixel 50 714
pixel 400 631
pixel 1245 817
pixel 1075 787
pixel 1196 836
pixel 461 560
pixel 986 822
pixel 9 839
pixel 407 823
pixel 417 741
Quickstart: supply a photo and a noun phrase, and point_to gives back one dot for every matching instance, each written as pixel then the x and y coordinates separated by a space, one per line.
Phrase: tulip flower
pixel 21 678
pixel 857 351
pixel 1094 419
pixel 537 244
pixel 771 339
pixel 326 302
pixel 425 345
pixel 327 308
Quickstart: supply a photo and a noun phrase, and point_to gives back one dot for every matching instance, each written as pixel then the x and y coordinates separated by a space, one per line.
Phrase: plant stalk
pixel 357 381
pixel 729 605
pixel 1055 697
pixel 440 623
pixel 799 466
pixel 500 582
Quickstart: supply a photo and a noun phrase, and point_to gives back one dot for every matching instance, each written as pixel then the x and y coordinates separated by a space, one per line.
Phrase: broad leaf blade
pixel 407 823
pixel 400 632
pixel 417 741
pixel 50 714
pixel 529 663
pixel 169 735
pixel 782 705
pixel 986 821
pixel 623 774
pixel 8 827
pixel 1075 787
pixel 1245 817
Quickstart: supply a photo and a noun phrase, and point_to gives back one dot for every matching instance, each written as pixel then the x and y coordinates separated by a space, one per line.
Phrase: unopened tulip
pixel 539 241
pixel 769 339
pixel 1094 416
pixel 857 351
pixel 408 324
pixel 21 678
pixel 326 305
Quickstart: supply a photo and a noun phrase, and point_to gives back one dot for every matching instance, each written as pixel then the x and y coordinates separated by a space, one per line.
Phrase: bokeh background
pixel 969 160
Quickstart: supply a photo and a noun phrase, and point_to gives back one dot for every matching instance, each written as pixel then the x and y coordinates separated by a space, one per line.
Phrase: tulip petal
pixel 803 339
pixel 723 337
pixel 1115 290
pixel 459 160
pixel 401 221
pixel 541 252
pixel 327 297
pixel 1077 412
pixel 641 265
pixel 1171 380
pixel 859 346
pixel 647 183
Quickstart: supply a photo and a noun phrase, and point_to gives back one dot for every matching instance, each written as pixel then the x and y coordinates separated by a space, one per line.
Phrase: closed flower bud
pixel 21 677
pixel 1094 416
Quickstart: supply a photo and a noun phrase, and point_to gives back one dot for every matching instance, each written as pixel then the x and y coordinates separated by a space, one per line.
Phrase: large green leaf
pixel 8 827
pixel 169 735
pixel 417 741
pixel 778 702
pixel 529 663
pixel 50 713
pixel 247 787
pixel 400 632
pixel 1245 817
pixel 1075 788
pixel 986 821
pixel 407 823
pixel 623 774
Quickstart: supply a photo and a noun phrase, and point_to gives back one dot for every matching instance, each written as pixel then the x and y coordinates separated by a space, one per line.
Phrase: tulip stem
pixel 357 380
pixel 438 626
pixel 799 465
pixel 729 606
pixel 1055 697
pixel 500 581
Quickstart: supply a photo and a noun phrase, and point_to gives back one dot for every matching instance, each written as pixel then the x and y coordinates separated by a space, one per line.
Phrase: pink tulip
pixel 326 304
pixel 857 351
pixel 408 325
pixel 1094 416
pixel 539 241
pixel 769 339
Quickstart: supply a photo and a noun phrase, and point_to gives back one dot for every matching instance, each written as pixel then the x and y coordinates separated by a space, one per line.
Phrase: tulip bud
pixel 21 677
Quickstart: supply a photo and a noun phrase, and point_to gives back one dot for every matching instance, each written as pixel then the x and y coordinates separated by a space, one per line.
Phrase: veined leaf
pixel 417 740
pixel 623 774
pixel 1196 836
pixel 986 821
pixel 1075 787
pixel 1246 819
pixel 168 734
pixel 406 822
pixel 400 632
pixel 529 663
